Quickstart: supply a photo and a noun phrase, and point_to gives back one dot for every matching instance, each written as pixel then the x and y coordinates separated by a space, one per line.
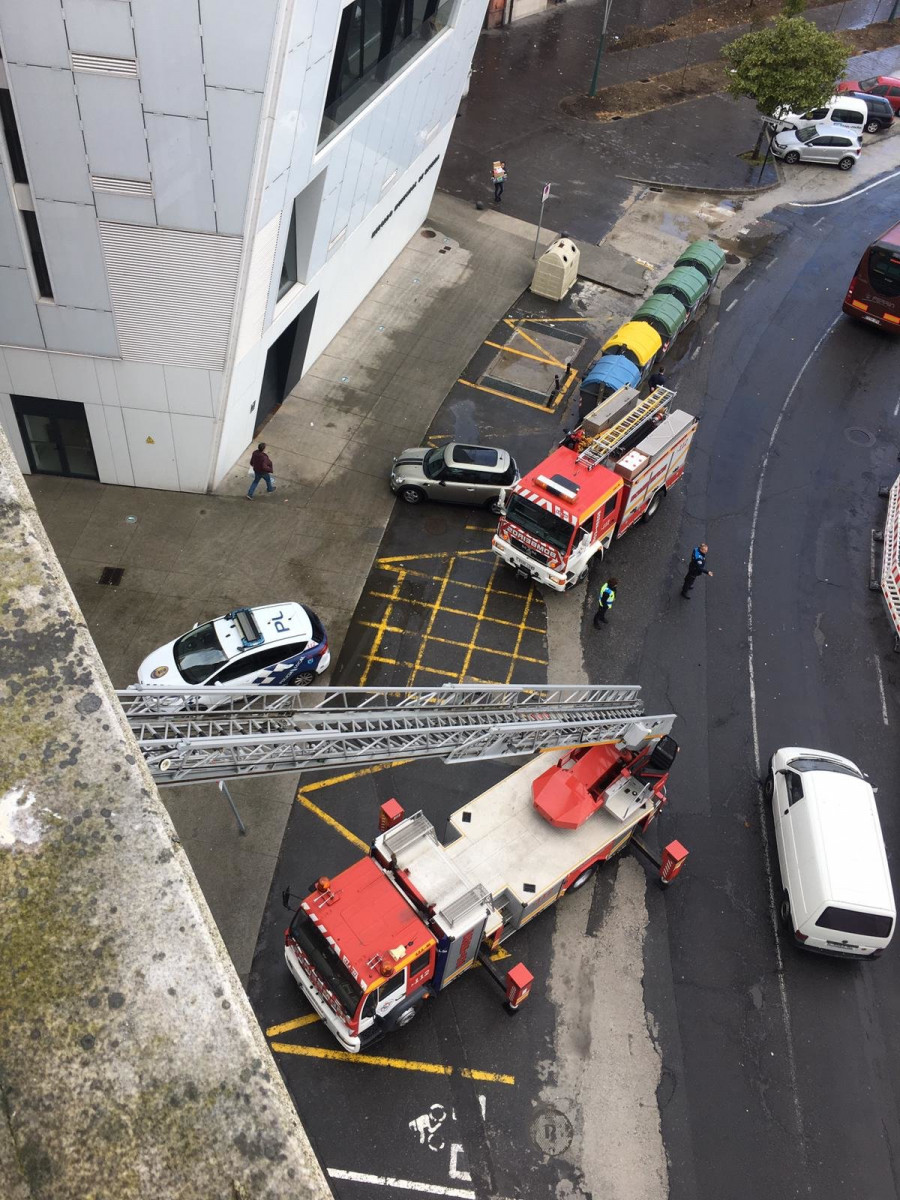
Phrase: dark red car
pixel 876 85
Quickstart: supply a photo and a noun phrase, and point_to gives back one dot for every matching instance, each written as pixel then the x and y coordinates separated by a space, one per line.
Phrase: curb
pixel 690 187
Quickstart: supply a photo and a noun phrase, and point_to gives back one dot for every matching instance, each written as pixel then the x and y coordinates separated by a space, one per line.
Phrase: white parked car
pixel 818 144
pixel 273 645
pixel 847 112
pixel 836 887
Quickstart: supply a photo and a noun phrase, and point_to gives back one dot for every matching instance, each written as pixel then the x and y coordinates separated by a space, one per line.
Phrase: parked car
pixel 881 115
pixel 846 112
pixel 836 896
pixel 817 144
pixel 876 85
pixel 273 645
pixel 456 474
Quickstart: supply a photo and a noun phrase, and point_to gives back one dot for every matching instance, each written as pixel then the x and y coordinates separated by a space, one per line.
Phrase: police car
pixel 273 645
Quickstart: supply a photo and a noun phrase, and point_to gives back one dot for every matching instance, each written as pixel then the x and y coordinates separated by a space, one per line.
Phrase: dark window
pixel 849 116
pixel 869 85
pixel 198 654
pixel 325 961
pixel 475 456
pixel 817 114
pixel 289 262
pixel 11 133
pixel 376 39
pixel 419 964
pixel 37 254
pixel 884 271
pixel 249 664
pixel 822 141
pixel 610 505
pixel 894 91
pixel 394 984
pixel 483 478
pixel 880 89
pixel 846 920
pixel 794 787
pixel 823 764
pixel 539 522
pixel 368 1009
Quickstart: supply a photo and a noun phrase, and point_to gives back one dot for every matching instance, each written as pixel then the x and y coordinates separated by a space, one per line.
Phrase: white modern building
pixel 196 195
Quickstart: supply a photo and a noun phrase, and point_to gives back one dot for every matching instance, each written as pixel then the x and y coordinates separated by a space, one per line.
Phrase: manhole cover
pixel 428 233
pixel 859 437
pixel 552 1131
pixel 111 576
pixel 733 259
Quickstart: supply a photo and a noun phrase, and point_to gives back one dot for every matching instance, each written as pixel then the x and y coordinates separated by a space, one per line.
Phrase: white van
pixel 837 895
pixel 848 112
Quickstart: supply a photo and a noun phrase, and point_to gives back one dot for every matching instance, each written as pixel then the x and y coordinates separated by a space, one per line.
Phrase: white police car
pixel 273 645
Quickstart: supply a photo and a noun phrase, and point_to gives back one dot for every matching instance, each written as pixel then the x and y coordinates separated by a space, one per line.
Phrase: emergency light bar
pixel 560 486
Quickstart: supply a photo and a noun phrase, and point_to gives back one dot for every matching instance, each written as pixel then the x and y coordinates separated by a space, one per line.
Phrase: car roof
pixel 266 625
pixel 482 458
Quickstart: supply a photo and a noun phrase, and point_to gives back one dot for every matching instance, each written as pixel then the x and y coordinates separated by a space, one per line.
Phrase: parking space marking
pixel 303 799
pixel 330 820
pixel 516 327
pixel 506 396
pixel 406 1185
pixel 398 1064
pixel 551 362
pixel 442 641
pixel 470 649
pixel 297 1023
pixel 401 576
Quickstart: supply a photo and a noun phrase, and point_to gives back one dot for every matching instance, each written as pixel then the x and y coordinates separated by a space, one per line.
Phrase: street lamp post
pixel 601 46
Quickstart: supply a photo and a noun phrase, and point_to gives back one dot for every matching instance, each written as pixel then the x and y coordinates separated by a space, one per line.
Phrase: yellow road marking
pixel 458 612
pixel 457 582
pixel 459 645
pixel 470 649
pixel 329 820
pixel 434 612
pixel 399 1064
pixel 376 643
pixel 551 362
pixel 333 779
pixel 547 408
pixel 572 376
pixel 523 626
pixel 550 320
pixel 448 675
pixel 517 329
pixel 400 558
pixel 297 1023
pixel 482 528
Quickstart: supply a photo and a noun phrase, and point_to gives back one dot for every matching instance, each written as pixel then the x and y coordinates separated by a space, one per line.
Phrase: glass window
pixel 806 135
pixel 893 91
pixel 11 133
pixel 823 764
pixel 325 961
pixel 376 40
pixel 848 115
pixel 289 262
pixel 539 522
pixel 867 85
pixel 847 920
pixel 394 984
pixel 794 786
pixel 475 456
pixel 35 245
pixel 198 653
pixel 817 114
pixel 433 463
pixel 610 505
pixel 419 964
pixel 884 271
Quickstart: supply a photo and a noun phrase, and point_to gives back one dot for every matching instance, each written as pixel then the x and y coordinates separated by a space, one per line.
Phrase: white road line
pixel 897 408
pixel 731 306
pixel 696 352
pixel 749 285
pixel 771 263
pixel 816 224
pixel 884 712
pixel 405 1185
pixel 842 199
pixel 715 327
pixel 773 914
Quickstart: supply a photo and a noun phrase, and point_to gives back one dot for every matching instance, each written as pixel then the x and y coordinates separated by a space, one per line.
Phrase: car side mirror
pixel 442 482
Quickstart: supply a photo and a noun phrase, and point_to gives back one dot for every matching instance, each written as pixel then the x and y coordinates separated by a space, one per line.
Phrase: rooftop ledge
pixel 131 1064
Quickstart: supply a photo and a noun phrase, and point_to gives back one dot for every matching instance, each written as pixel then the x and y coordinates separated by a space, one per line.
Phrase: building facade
pixel 197 194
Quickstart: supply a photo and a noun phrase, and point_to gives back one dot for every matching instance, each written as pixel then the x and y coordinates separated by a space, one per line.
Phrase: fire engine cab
pixel 371 945
pixel 610 473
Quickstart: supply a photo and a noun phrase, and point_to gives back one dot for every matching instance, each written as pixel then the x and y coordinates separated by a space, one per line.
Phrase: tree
pixel 791 63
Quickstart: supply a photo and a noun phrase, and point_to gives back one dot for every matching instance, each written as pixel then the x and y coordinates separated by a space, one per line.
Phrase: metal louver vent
pixel 101 65
pixel 172 292
pixel 132 187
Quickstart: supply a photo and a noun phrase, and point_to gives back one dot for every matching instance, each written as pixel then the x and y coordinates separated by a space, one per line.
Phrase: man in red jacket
pixel 261 465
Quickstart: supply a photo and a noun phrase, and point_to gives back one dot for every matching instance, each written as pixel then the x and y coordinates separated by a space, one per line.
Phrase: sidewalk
pixel 187 558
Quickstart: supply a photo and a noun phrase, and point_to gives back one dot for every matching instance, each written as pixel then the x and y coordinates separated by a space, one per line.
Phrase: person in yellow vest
pixel 498 173
pixel 605 601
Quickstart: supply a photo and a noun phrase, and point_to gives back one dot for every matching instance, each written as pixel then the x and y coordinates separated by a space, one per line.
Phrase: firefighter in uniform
pixel 605 601
pixel 696 567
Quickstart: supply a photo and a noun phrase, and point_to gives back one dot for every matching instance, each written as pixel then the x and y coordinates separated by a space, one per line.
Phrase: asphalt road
pixel 778 1068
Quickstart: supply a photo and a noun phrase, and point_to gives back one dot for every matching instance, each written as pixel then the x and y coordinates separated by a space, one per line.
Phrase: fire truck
pixel 370 946
pixel 611 472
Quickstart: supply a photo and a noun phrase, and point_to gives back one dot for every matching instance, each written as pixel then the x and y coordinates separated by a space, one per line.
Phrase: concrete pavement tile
pixel 353 401
pixel 160 551
pixel 295 435
pixel 368 460
pixel 63 526
pixel 374 432
pixel 324 417
pixel 104 539
pixel 295 468
pixel 312 387
pixel 328 367
pixel 411 410
pixel 370 377
pixel 320 588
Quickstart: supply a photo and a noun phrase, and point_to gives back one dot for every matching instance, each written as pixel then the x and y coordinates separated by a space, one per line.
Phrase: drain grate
pixel 111 576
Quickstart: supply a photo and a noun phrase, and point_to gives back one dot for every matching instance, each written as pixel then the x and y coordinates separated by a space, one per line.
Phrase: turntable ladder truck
pixel 611 472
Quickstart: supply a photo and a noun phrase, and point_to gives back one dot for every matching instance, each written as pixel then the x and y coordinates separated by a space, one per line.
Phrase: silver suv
pixel 455 473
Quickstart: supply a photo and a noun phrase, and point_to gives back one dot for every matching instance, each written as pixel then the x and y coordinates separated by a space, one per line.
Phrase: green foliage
pixel 790 62
pixel 793 8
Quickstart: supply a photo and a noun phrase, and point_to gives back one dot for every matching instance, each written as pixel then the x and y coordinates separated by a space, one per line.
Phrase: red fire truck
pixel 611 472
pixel 371 945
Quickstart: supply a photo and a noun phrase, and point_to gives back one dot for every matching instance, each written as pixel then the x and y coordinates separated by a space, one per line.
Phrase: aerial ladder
pixel 264 730
pixel 596 450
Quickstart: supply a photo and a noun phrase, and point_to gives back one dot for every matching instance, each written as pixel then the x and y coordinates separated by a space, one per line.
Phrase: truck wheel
pixel 412 495
pixel 653 506
pixel 784 911
pixel 408 1014
pixel 581 879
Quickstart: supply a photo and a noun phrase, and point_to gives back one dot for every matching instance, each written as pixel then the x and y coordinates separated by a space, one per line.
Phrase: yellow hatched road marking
pixel 523 626
pixel 547 408
pixel 297 1023
pixel 329 820
pixel 401 558
pixel 470 649
pixel 437 579
pixel 551 362
pixel 431 620
pixel 461 645
pixel 550 320
pixel 376 643
pixel 445 672
pixel 456 612
pixel 333 779
pixel 517 329
pixel 399 1064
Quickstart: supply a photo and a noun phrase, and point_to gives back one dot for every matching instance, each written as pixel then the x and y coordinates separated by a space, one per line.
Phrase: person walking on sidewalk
pixel 696 567
pixel 261 466
pixel 498 172
pixel 605 601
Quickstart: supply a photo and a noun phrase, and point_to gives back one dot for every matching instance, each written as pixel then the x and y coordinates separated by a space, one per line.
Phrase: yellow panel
pixel 641 338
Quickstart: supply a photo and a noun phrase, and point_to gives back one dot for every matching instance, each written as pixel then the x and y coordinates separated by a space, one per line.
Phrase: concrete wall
pixel 131 1064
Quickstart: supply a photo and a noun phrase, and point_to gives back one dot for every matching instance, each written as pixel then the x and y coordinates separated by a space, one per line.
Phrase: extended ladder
pixel 599 448
pixel 251 732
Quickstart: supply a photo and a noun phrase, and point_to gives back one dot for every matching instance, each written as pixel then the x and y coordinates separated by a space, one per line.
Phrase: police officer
pixel 696 567
pixel 605 601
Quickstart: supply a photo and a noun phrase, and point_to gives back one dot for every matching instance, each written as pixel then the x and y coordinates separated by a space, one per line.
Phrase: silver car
pixel 819 144
pixel 456 474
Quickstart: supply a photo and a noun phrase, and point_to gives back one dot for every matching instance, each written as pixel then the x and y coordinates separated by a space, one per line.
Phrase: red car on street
pixel 877 85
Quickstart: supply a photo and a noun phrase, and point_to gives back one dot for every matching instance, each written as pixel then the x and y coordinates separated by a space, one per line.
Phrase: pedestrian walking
pixel 605 601
pixel 696 567
pixel 261 466
pixel 498 173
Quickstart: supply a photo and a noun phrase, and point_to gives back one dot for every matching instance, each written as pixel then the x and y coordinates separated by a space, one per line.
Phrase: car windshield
pixel 198 653
pixel 433 463
pixel 805 135
pixel 325 962
pixel 884 271
pixel 537 521
pixel 823 764
pixel 866 84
